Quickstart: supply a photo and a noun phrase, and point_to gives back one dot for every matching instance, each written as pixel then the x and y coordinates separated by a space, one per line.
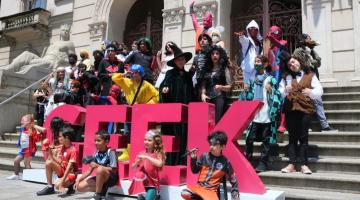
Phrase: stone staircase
pixel 9 150
pixel 334 157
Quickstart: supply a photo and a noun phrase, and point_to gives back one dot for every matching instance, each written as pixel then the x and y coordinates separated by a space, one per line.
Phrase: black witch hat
pixel 179 53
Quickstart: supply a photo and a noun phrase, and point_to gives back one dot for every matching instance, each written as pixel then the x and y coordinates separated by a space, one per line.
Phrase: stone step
pixel 352 114
pixel 13 144
pixel 348 96
pixel 316 150
pixel 341 125
pixel 11 153
pixel 313 194
pixel 346 165
pixel 341 89
pixel 10 136
pixel 341 105
pixel 8 164
pixel 332 137
pixel 336 182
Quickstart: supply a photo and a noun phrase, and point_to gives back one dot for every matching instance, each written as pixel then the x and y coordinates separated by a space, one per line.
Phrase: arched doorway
pixel 283 13
pixel 145 19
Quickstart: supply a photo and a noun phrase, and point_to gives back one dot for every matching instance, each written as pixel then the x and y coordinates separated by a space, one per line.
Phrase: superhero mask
pixel 207 22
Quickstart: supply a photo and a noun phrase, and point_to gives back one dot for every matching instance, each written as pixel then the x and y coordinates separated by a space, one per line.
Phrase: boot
pixel 282 128
pixel 125 156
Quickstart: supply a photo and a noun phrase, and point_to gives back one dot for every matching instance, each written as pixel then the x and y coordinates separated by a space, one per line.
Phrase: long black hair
pixel 223 61
pixel 172 45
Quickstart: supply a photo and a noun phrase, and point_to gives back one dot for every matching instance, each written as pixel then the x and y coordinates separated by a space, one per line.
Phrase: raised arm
pixel 193 15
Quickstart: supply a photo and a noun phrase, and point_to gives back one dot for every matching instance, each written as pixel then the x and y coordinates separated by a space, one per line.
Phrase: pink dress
pixel 151 171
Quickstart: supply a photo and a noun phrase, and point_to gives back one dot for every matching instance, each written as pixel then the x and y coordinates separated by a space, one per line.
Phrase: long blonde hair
pixel 31 126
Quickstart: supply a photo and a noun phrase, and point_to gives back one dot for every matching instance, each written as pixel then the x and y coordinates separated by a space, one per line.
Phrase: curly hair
pixel 224 60
pixel 158 142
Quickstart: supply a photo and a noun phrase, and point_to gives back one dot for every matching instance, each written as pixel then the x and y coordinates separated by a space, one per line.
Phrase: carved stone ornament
pixel 201 8
pixel 97 29
pixel 172 16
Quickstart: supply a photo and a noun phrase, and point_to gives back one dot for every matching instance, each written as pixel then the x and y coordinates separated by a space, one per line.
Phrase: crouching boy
pixel 212 167
pixel 63 160
pixel 105 164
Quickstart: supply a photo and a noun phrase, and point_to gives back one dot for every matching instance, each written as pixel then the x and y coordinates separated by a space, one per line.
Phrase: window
pixel 32 4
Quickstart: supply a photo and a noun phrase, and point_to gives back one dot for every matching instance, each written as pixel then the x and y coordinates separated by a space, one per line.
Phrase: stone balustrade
pixel 36 16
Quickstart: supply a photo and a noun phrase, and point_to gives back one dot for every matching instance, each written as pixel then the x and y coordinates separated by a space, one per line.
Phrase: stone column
pixel 356 13
pixel 173 23
pixel 316 21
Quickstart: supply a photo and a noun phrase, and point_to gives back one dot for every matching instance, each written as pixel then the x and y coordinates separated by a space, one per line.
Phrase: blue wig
pixel 138 68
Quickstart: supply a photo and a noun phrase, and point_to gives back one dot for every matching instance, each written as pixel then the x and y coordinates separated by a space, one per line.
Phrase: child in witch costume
pixel 149 164
pixel 263 127
pixel 105 164
pixel 177 87
pixel 212 168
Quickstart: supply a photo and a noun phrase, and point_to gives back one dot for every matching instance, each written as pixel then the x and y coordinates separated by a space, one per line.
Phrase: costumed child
pixel 29 135
pixel 212 167
pixel 277 46
pixel 137 90
pixel 263 127
pixel 300 88
pixel 149 164
pixel 104 162
pixel 63 160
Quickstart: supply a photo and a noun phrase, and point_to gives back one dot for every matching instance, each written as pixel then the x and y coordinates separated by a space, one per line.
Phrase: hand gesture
pixel 193 152
pixel 204 98
pixel 306 91
pixel 158 54
pixel 268 87
pixel 192 5
pixel 142 156
pixel 165 90
pixel 240 33
pixel 218 88
pixel 93 165
pixel 246 87
pixel 288 88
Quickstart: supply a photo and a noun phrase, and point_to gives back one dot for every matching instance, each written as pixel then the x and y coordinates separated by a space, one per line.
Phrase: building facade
pixel 33 25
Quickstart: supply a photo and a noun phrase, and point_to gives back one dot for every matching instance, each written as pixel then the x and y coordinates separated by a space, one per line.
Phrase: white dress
pixel 164 69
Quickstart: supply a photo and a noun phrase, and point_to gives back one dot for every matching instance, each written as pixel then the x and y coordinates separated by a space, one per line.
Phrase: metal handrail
pixel 22 91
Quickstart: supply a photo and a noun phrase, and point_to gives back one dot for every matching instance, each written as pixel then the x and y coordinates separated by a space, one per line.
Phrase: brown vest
pixel 295 100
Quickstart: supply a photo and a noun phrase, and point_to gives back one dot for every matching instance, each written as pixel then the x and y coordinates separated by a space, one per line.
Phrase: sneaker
pixel 97 196
pixel 288 169
pixel 305 170
pixel 46 191
pixel 70 189
pixel 13 177
pixel 262 167
pixel 329 129
pixel 281 129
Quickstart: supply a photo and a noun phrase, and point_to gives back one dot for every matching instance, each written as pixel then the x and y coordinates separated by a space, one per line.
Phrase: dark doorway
pixel 145 20
pixel 283 13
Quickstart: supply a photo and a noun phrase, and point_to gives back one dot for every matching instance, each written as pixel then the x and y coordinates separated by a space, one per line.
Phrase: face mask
pixel 215 38
pixel 259 67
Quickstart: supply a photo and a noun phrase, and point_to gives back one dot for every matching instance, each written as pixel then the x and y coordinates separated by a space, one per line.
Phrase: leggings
pixel 151 194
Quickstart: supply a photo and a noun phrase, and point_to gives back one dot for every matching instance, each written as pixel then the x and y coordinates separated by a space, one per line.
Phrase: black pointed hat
pixel 179 53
